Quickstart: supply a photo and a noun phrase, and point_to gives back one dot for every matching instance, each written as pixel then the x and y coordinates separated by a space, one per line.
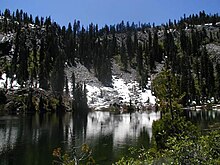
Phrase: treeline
pixel 200 19
pixel 42 49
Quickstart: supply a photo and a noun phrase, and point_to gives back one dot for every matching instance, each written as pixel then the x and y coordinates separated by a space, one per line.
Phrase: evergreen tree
pixel 217 90
pixel 43 71
pixel 16 53
pixel 129 45
pixel 33 61
pixel 155 49
pixel 22 71
pixel 139 60
pixel 151 53
pixel 58 74
pixel 207 74
pixel 123 55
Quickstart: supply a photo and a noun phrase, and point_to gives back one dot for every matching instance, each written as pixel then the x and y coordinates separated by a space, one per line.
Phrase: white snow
pixel 208 24
pixel 32 26
pixel 99 96
pixel 120 93
pixel 125 88
pixel 3 83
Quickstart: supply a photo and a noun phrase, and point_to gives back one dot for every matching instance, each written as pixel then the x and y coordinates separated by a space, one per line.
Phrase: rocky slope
pixel 125 88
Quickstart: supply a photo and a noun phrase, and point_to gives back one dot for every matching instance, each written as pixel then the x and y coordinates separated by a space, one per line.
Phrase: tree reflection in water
pixel 28 139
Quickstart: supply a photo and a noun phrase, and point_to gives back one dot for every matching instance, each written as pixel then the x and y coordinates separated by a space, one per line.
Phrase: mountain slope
pixel 125 89
pixel 114 64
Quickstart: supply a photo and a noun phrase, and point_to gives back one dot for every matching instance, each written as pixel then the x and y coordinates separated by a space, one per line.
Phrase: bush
pixel 204 150
pixel 74 157
pixel 166 127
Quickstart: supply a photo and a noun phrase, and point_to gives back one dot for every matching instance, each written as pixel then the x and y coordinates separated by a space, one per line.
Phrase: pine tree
pixel 139 60
pixel 217 89
pixel 207 73
pixel 16 53
pixel 69 44
pixel 151 54
pixel 123 55
pixel 155 49
pixel 22 71
pixel 43 71
pixel 129 45
pixel 34 60
pixel 58 74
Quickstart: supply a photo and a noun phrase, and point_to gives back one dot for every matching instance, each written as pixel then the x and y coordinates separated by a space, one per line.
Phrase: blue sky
pixel 112 11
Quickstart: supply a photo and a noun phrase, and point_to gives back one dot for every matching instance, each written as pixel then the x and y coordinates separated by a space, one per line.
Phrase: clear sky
pixel 112 11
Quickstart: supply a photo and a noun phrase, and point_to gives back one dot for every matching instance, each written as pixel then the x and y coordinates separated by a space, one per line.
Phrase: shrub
pixel 166 127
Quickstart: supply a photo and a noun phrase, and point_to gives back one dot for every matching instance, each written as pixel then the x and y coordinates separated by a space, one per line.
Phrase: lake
pixel 30 139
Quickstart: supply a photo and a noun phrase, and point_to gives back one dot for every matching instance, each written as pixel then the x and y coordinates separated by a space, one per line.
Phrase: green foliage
pixel 58 74
pixel 166 127
pixel 136 157
pixel 79 102
pixel 187 150
pixel 179 149
pixel 165 87
pixel 41 47
pixel 74 158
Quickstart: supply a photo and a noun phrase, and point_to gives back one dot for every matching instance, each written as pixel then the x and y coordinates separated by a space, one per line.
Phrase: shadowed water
pixel 30 139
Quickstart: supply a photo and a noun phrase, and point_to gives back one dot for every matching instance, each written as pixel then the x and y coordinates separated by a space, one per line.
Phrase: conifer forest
pixel 48 68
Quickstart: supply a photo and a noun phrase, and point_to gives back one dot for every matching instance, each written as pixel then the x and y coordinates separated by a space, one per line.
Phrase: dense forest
pixel 180 58
pixel 35 52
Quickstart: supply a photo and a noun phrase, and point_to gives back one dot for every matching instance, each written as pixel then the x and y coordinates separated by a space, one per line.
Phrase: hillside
pixel 113 65
pixel 124 89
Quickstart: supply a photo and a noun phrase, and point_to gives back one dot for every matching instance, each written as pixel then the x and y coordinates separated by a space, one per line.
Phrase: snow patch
pixel 5 82
pixel 125 88
pixel 120 93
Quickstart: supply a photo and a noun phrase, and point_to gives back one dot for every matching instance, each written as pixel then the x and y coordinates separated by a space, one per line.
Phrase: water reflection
pixel 116 133
pixel 30 139
pixel 122 127
pixel 7 133
pixel 204 118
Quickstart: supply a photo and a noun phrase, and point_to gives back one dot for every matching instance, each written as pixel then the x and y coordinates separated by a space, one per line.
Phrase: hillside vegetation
pixel 35 52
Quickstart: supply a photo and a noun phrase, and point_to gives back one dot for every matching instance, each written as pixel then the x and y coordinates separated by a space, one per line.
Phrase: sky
pixel 111 12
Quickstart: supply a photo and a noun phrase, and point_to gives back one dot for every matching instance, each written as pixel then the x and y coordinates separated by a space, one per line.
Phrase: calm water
pixel 204 118
pixel 30 139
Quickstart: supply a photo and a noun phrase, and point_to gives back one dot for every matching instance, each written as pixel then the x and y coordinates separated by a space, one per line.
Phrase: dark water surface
pixel 31 139
pixel 204 118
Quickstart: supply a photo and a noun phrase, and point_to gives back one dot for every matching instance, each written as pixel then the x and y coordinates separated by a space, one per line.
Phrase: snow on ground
pixel 99 96
pixel 3 82
pixel 124 88
pixel 120 93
